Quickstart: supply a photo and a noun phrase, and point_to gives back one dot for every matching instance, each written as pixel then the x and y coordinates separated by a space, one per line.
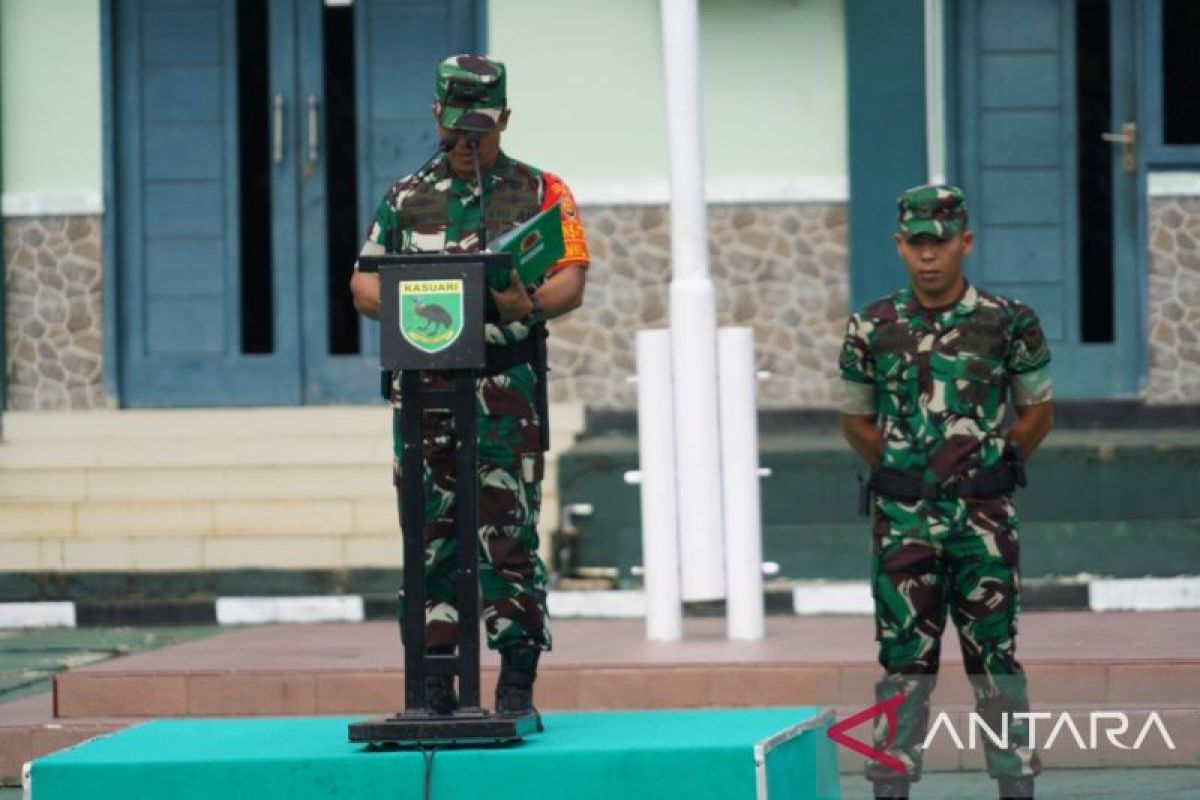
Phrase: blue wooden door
pixel 379 95
pixel 239 209
pixel 1053 206
pixel 179 230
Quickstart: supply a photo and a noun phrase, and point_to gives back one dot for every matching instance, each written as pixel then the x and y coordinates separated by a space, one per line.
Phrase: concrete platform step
pixel 29 730
pixel 63 536
pixel 197 536
pixel 247 450
pixel 215 437
pixel 187 554
pixel 370 478
pixel 1080 663
pixel 83 694
pixel 261 515
pixel 216 450
pixel 189 482
pixel 278 488
pixel 1072 658
pixel 21 426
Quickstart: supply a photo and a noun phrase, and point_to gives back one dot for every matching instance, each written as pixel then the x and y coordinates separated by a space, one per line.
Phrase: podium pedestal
pixel 432 318
pixel 419 729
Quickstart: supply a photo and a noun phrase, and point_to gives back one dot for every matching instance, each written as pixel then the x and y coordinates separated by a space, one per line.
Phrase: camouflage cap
pixel 938 210
pixel 471 93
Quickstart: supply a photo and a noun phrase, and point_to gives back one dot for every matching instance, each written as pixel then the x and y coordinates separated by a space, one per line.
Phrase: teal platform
pixel 711 754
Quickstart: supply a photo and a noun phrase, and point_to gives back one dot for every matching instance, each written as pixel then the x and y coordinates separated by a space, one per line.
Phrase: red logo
pixel 530 240
pixel 886 709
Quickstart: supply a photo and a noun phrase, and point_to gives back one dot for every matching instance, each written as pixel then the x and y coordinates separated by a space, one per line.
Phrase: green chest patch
pixel 425 210
pixel 895 338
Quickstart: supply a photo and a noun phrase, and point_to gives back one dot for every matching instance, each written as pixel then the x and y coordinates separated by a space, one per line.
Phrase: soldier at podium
pixel 437 209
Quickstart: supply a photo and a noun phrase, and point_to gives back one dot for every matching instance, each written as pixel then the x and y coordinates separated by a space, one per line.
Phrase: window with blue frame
pixel 1170 112
pixel 1180 67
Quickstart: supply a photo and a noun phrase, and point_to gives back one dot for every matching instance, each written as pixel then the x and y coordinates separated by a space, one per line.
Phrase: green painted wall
pixel 774 88
pixel 50 66
pixel 588 94
pixel 586 85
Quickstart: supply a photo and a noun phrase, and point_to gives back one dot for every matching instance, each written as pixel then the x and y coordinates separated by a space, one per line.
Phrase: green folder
pixel 535 246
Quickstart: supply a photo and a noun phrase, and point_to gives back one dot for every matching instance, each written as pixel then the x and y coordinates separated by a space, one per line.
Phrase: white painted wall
pixel 50 68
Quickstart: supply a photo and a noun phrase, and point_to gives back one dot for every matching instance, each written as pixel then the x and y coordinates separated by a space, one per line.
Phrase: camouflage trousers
pixel 961 556
pixel 512 577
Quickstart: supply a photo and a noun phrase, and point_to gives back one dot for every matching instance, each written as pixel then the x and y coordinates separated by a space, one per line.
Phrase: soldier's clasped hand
pixel 513 302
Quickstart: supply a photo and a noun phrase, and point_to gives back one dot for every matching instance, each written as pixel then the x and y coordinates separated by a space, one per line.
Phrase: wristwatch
pixel 538 314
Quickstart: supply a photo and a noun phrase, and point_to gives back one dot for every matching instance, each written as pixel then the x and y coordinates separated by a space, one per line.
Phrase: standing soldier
pixel 927 375
pixel 437 210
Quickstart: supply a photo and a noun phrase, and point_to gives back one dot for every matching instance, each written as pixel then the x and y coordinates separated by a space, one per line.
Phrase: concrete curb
pixel 802 599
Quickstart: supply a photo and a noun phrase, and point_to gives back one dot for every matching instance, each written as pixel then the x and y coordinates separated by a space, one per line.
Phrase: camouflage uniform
pixel 434 211
pixel 939 380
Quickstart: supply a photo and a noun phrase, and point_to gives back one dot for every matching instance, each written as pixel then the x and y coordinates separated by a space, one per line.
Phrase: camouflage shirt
pixel 438 212
pixel 435 211
pixel 940 379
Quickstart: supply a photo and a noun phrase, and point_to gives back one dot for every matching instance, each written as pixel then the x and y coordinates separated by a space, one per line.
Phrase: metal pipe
pixel 3 271
pixel 935 93
pixel 277 129
pixel 656 479
pixel 693 313
pixel 743 506
pixel 314 129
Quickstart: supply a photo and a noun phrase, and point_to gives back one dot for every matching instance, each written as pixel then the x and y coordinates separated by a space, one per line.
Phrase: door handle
pixel 277 129
pixel 313 129
pixel 1127 138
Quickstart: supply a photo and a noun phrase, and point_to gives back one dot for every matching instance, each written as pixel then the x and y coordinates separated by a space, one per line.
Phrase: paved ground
pixel 1161 784
pixel 1045 636
pixel 1138 661
pixel 29 659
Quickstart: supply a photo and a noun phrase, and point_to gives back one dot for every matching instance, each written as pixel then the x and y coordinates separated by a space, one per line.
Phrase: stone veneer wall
pixel 1174 300
pixel 53 320
pixel 779 268
pixel 782 269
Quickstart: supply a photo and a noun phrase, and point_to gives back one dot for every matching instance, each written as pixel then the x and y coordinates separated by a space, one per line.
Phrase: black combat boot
pixel 891 789
pixel 439 689
pixel 514 688
pixel 1020 788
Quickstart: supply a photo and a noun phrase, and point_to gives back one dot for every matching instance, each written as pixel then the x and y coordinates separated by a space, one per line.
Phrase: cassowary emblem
pixel 436 318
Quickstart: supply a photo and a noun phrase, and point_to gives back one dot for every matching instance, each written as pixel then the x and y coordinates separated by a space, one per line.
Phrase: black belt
pixel 898 484
pixel 498 358
pixel 503 357
pixel 530 350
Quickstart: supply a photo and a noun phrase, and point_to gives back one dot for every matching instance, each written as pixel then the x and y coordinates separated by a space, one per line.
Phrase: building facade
pixel 186 181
